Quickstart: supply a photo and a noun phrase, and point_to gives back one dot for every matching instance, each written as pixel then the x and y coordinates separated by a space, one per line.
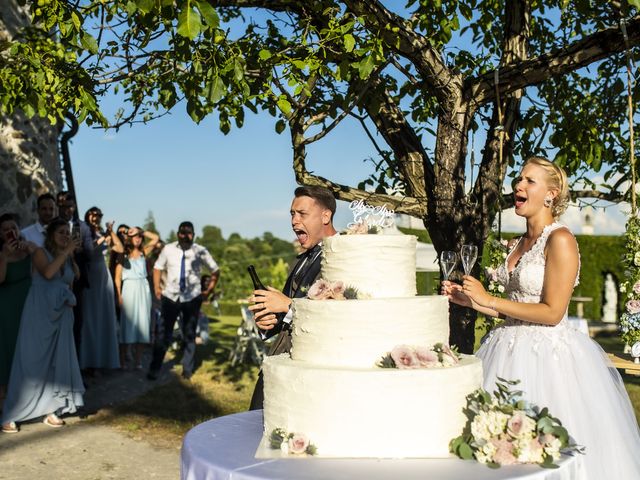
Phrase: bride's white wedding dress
pixel 564 370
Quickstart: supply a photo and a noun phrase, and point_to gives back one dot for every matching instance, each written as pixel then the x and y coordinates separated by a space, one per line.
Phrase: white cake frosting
pixel 372 412
pixel 331 390
pixel 356 333
pixel 381 266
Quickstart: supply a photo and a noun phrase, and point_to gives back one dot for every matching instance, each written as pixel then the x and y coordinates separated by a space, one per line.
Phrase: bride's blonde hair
pixel 556 180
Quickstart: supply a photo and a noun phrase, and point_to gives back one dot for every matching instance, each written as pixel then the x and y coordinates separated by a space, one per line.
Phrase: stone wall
pixel 29 155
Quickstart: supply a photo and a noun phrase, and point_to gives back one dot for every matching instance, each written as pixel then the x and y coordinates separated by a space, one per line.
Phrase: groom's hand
pixel 266 304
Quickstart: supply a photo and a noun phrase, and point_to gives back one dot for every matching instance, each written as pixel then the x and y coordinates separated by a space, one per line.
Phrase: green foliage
pixel 599 255
pixel 270 255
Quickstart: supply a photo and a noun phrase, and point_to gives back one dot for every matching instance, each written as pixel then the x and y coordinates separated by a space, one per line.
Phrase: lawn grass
pixel 163 415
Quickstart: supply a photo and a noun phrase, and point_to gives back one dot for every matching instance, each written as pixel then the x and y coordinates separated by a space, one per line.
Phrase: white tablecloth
pixel 224 448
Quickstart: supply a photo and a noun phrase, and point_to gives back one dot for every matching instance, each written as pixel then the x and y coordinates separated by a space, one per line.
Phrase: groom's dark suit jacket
pixel 298 282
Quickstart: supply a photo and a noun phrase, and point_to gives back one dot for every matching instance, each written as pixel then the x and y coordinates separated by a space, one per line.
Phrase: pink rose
pixel 404 357
pixel 504 452
pixel 298 443
pixel 337 290
pixel 636 287
pixel 320 290
pixel 426 357
pixel 633 306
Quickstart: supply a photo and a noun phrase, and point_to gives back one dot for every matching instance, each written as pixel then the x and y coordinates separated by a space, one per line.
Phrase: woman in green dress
pixel 15 280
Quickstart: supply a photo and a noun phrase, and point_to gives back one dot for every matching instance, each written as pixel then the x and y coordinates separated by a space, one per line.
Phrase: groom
pixel 312 213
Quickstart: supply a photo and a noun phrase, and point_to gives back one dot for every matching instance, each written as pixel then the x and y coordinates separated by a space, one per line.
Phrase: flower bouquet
pixel 503 429
pixel 630 319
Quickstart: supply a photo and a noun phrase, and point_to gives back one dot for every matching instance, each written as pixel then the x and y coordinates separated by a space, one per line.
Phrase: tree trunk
pixel 29 156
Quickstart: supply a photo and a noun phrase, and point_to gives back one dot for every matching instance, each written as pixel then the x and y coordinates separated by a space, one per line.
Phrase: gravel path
pixel 85 451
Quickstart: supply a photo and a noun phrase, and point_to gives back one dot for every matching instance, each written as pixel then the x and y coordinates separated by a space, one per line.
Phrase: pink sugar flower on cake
pixel 298 443
pixel 337 290
pixel 320 290
pixel 427 357
pixel 404 357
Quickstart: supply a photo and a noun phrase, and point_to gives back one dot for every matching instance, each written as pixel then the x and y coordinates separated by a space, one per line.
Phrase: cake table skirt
pixel 224 449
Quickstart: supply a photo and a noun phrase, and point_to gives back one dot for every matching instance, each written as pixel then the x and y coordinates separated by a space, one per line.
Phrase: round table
pixel 224 449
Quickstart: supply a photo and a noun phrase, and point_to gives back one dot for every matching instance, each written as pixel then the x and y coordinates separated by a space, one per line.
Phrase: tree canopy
pixel 537 77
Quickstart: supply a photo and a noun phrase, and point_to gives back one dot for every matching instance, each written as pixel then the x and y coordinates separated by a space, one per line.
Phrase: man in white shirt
pixel 182 295
pixel 46 209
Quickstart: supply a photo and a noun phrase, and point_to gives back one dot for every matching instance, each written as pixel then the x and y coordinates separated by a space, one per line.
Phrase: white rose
pixel 501 288
pixel 552 448
pixel 636 259
pixel 497 422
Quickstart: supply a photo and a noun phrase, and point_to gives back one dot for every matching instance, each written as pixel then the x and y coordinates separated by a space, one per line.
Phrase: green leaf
pixel 216 89
pixel 145 6
pixel 349 42
pixel 284 105
pixel 89 43
pixel 208 13
pixel 189 23
pixel 465 451
pixel 264 54
pixel 280 126
pixel 366 67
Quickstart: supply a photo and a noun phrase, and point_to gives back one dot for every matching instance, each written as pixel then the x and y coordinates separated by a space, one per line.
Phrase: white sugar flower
pixel 284 447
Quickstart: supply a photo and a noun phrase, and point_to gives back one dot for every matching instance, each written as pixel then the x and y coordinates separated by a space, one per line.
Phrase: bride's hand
pixel 454 293
pixel 474 289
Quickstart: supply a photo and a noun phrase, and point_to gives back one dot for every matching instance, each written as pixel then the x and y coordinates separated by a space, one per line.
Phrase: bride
pixel 558 366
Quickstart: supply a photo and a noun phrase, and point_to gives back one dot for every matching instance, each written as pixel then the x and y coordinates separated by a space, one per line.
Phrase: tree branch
pixel 599 45
pixel 401 38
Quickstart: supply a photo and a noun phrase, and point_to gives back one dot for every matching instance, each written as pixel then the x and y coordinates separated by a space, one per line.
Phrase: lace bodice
pixel 524 284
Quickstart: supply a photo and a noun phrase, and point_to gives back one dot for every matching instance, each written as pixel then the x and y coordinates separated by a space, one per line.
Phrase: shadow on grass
pixel 163 414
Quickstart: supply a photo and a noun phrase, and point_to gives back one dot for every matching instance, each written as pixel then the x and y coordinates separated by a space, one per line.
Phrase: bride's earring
pixel 548 201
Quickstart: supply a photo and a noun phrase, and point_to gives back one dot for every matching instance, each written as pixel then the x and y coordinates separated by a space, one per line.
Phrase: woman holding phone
pixel 15 280
pixel 45 378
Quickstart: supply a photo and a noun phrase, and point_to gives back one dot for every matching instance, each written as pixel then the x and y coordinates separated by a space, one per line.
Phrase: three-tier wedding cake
pixel 336 391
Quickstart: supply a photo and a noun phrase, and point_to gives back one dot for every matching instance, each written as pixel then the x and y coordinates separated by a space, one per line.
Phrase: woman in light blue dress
pixel 134 294
pixel 99 345
pixel 45 377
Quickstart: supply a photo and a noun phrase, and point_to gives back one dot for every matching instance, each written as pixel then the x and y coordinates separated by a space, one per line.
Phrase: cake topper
pixel 370 215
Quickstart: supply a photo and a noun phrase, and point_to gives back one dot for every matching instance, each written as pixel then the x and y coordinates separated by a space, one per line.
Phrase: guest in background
pixel 77 228
pixel 46 209
pixel 156 306
pixel 134 295
pixel 182 295
pixel 114 259
pixel 45 377
pixel 99 345
pixel 15 280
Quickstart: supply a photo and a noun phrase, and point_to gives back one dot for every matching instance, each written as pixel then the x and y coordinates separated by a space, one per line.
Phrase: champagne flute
pixel 448 260
pixel 468 255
